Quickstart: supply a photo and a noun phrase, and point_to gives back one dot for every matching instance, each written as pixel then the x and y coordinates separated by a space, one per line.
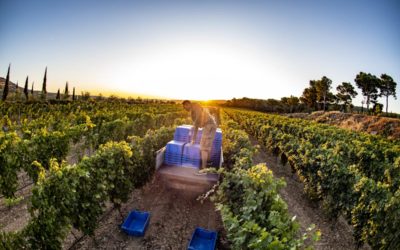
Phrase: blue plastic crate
pixel 216 149
pixel 217 138
pixel 136 223
pixel 172 161
pixel 173 155
pixel 182 138
pixel 191 151
pixel 191 162
pixel 203 239
pixel 172 158
pixel 174 147
pixel 185 133
pixel 214 155
pixel 182 133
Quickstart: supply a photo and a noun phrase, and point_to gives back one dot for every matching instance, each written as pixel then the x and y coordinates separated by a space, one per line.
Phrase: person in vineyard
pixel 202 119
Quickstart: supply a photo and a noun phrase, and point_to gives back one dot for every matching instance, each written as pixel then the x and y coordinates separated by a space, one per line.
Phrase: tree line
pixel 318 96
pixel 29 94
pixel 59 97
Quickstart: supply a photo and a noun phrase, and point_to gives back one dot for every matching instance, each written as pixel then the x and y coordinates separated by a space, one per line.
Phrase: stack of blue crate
pixel 173 153
pixel 180 152
pixel 191 155
pixel 215 156
pixel 183 133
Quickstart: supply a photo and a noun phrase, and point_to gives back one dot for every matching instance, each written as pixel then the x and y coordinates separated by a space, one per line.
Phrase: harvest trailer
pixel 178 162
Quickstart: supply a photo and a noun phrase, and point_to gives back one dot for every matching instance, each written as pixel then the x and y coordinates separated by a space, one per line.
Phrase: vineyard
pixel 75 163
pixel 353 174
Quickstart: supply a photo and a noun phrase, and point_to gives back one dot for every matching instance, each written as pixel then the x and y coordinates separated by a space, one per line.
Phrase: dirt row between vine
pixel 336 234
pixel 173 217
pixel 16 216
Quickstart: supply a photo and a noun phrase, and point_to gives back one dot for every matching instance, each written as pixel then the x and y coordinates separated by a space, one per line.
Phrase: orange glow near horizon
pixel 199 70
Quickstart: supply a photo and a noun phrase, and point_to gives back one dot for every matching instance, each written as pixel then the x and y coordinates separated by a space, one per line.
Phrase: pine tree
pixel 345 93
pixel 26 88
pixel 369 85
pixel 5 90
pixel 387 88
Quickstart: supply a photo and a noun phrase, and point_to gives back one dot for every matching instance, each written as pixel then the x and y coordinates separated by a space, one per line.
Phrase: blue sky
pixel 199 49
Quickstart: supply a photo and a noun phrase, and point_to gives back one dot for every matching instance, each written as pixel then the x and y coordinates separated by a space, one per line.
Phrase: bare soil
pixel 384 126
pixel 16 216
pixel 336 234
pixel 174 215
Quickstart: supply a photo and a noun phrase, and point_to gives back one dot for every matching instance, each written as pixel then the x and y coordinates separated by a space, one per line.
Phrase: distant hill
pixel 13 86
pixel 389 127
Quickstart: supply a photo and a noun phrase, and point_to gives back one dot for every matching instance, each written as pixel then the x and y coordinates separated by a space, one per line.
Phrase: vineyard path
pixel 174 216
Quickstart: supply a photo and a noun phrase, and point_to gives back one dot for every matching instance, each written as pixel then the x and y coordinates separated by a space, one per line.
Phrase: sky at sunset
pixel 199 49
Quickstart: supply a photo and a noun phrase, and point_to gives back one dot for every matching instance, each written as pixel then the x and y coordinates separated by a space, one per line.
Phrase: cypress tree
pixel 5 90
pixel 33 83
pixel 26 88
pixel 66 92
pixel 73 94
pixel 44 87
pixel 58 95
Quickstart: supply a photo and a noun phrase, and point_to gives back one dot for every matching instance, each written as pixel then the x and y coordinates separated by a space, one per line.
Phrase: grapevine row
pixel 355 174
pixel 254 214
pixel 27 143
pixel 75 196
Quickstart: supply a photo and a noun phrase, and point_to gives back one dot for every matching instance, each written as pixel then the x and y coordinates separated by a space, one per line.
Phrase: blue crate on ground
pixel 203 239
pixel 136 223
